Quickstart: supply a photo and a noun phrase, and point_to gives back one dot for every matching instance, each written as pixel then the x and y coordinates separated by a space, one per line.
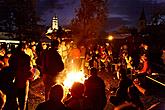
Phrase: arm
pixel 141 89
pixel 144 69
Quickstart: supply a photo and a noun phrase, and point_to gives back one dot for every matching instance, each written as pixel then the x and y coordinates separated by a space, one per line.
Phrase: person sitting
pixel 77 101
pixel 95 90
pixel 143 66
pixel 54 102
pixel 143 71
pixel 52 66
pixel 134 97
pixel 121 93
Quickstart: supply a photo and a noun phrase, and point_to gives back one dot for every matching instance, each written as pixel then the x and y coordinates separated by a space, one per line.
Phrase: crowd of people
pixel 19 65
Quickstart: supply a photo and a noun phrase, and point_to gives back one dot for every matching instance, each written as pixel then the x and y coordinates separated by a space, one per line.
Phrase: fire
pixel 74 77
pixel 68 78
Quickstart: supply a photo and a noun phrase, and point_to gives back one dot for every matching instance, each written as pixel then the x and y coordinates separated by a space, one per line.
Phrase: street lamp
pixel 110 37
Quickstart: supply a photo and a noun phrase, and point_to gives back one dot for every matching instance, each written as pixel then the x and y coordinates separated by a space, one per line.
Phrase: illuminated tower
pixel 55 23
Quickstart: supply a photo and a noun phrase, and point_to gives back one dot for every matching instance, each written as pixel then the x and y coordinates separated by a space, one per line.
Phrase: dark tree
pixel 20 18
pixel 90 19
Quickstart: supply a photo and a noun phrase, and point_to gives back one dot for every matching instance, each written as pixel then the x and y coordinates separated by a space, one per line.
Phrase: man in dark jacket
pixel 20 64
pixel 53 65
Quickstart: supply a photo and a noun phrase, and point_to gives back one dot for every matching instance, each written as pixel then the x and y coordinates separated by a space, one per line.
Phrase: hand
pixel 136 82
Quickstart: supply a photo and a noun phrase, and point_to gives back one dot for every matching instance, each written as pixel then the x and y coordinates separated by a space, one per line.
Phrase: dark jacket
pixel 53 62
pixel 51 105
pixel 95 91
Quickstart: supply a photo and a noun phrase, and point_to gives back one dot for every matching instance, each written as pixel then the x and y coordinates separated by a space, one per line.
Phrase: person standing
pixel 20 64
pixel 74 55
pixel 53 64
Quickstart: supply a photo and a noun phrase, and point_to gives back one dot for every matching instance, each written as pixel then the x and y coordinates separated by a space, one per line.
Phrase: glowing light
pixel 10 41
pixel 110 37
pixel 74 77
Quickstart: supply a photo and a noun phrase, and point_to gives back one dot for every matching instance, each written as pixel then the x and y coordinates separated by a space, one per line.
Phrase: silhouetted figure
pixel 74 55
pixel 53 64
pixel 77 101
pixel 143 65
pixel 122 91
pixel 134 97
pixel 54 102
pixel 20 65
pixel 95 90
pixel 8 88
pixel 41 57
pixel 143 71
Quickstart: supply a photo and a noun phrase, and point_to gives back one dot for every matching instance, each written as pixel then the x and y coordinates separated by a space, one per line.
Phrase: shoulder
pixel 26 56
pixel 41 106
pixel 97 81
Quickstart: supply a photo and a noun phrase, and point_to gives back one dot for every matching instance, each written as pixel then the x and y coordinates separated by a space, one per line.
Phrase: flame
pixel 74 77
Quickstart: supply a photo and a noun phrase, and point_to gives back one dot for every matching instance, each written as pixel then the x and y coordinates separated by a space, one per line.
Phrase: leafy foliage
pixel 21 18
pixel 90 19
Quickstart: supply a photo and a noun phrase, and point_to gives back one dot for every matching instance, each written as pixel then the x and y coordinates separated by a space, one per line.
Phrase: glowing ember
pixel 74 77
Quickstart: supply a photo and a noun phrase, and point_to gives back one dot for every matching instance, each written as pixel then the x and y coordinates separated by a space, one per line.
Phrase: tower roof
pixel 142 16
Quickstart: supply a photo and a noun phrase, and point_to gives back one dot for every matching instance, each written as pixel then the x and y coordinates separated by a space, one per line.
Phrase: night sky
pixel 121 12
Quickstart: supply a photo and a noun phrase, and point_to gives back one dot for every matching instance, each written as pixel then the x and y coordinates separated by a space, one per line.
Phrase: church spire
pixel 142 22
pixel 142 16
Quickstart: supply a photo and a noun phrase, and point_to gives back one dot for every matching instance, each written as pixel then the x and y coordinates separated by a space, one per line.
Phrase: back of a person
pixel 75 53
pixel 95 83
pixel 54 102
pixel 6 79
pixel 77 101
pixel 95 92
pixel 83 51
pixel 79 104
pixel 50 105
pixel 54 62
pixel 23 70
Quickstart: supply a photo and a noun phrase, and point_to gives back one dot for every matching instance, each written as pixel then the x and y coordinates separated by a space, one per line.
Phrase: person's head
pixel 1 64
pixel 44 46
pixel 123 72
pixel 93 72
pixel 74 46
pixel 54 43
pixel 33 43
pixel 77 90
pixel 63 43
pixel 125 47
pixel 21 47
pixel 2 100
pixel 56 93
pixel 33 46
pixel 6 59
pixel 163 56
pixel 143 57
